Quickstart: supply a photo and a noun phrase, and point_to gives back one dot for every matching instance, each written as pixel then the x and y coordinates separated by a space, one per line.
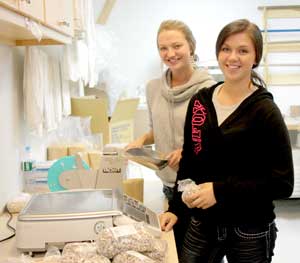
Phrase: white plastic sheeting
pixel 109 72
pixel 42 91
pixel 79 58
pixel 88 60
pixel 34 74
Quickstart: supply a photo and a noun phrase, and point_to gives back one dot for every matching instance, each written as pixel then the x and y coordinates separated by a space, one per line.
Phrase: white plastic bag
pixel 17 203
pixel 52 255
pixel 187 187
pixel 83 252
pixel 159 252
pixel 132 257
pixel 114 240
pixel 21 259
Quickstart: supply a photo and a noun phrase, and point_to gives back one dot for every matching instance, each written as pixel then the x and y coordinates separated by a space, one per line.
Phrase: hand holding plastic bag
pixel 187 187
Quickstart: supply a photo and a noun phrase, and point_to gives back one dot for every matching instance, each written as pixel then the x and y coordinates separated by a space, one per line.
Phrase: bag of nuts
pixel 83 252
pixel 114 240
pixel 187 187
pixel 159 251
pixel 132 257
pixel 80 249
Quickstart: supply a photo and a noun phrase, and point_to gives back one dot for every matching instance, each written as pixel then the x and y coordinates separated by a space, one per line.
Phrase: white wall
pixel 11 132
pixel 135 24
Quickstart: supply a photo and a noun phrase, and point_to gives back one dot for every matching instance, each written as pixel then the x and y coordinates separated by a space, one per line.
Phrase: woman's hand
pixel 174 158
pixel 147 138
pixel 203 198
pixel 138 143
pixel 167 221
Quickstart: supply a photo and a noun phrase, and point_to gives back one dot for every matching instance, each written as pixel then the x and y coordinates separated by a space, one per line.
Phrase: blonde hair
pixel 181 27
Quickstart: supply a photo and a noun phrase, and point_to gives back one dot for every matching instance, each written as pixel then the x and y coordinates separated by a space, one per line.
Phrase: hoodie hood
pixel 260 94
pixel 259 97
pixel 200 79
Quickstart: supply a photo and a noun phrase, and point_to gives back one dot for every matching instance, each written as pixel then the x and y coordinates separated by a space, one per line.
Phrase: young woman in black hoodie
pixel 237 151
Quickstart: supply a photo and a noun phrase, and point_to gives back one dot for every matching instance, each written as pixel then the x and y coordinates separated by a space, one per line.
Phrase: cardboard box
pixel 56 151
pixel 134 187
pixel 75 148
pixel 97 109
pixel 111 174
pixel 94 159
pixel 36 181
pixel 85 157
pixel 119 129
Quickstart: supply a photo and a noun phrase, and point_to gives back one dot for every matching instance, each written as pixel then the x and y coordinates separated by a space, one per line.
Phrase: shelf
pixel 283 46
pixel 283 79
pixel 13 31
pixel 281 11
pixel 293 127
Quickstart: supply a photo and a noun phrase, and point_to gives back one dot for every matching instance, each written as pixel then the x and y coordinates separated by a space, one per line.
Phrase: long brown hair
pixel 253 31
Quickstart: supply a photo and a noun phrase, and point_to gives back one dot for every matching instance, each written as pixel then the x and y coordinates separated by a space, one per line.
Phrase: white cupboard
pixel 54 19
pixel 59 14
pixel 34 8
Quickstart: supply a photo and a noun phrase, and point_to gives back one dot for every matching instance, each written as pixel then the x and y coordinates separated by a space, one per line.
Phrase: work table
pixel 8 247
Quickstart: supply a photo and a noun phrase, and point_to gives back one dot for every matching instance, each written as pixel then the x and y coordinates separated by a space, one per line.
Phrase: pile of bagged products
pixel 128 243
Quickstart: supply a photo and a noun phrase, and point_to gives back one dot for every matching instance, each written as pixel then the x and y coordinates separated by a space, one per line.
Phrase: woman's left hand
pixel 167 221
pixel 204 197
pixel 174 158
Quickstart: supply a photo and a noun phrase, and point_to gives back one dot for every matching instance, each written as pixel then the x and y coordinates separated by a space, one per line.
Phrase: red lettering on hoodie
pixel 198 119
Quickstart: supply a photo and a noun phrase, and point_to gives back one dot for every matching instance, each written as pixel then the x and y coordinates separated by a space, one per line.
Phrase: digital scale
pixel 57 218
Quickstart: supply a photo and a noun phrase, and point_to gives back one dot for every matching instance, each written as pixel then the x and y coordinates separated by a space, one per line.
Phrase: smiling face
pixel 174 49
pixel 237 57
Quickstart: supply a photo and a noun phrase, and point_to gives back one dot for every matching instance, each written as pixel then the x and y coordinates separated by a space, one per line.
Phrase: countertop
pixel 8 247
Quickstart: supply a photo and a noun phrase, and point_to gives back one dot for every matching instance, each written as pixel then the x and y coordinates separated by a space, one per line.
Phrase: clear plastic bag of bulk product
pixel 80 249
pixel 52 255
pixel 132 257
pixel 16 204
pixel 187 187
pixel 72 129
pixel 114 240
pixel 94 259
pixel 159 252
pixel 85 252
pixel 21 259
pixel 71 258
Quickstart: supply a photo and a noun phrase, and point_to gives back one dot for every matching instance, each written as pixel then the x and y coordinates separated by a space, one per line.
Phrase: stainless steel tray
pixel 71 204
pixel 147 157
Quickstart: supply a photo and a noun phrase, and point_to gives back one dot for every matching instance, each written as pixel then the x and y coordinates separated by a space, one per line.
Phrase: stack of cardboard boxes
pixel 118 129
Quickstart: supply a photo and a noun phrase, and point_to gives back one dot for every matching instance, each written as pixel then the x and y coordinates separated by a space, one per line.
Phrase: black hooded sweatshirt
pixel 248 158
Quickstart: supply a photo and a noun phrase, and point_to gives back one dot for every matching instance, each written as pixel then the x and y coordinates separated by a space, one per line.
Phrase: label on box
pixel 36 181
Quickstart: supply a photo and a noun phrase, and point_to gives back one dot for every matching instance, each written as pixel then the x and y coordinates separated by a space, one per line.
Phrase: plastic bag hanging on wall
pixel 34 28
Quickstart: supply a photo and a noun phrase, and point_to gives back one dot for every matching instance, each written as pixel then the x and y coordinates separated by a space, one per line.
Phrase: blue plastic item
pixel 63 164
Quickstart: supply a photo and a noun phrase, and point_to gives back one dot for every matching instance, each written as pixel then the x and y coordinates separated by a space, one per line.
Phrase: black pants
pixel 209 243
pixel 181 226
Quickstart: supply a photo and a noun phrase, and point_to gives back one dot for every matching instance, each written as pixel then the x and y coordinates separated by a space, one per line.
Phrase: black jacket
pixel 248 158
